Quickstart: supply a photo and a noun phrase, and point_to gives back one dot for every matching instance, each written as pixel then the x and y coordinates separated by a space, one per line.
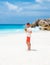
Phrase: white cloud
pixel 23 8
pixel 20 10
pixel 41 1
pixel 13 7
pixel 33 7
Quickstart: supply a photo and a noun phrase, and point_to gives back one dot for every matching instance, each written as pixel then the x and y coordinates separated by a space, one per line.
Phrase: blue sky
pixel 23 11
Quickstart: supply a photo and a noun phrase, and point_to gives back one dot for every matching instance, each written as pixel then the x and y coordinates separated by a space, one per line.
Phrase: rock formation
pixel 44 24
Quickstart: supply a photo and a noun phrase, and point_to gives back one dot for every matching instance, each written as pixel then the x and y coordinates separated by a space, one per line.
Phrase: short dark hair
pixel 28 23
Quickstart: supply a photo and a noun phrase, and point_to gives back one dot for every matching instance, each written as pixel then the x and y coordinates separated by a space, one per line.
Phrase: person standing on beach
pixel 29 32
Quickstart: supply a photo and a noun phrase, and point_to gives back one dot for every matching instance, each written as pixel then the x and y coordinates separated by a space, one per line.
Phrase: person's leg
pixel 29 46
pixel 28 43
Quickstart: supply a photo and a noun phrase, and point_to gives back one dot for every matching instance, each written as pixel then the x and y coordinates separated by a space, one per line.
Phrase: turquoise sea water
pixel 11 26
pixel 14 28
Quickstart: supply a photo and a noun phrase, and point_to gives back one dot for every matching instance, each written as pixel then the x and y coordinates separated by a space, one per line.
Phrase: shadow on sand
pixel 33 50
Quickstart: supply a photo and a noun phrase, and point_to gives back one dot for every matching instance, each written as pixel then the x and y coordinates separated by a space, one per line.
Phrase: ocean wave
pixel 35 29
pixel 17 30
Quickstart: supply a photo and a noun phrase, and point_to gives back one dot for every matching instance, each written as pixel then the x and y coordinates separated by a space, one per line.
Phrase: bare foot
pixel 29 49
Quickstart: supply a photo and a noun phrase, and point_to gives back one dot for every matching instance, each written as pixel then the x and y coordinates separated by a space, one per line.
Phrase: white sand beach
pixel 13 49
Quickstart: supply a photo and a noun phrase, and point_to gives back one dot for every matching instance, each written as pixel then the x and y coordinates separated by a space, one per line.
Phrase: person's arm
pixel 25 30
pixel 30 31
